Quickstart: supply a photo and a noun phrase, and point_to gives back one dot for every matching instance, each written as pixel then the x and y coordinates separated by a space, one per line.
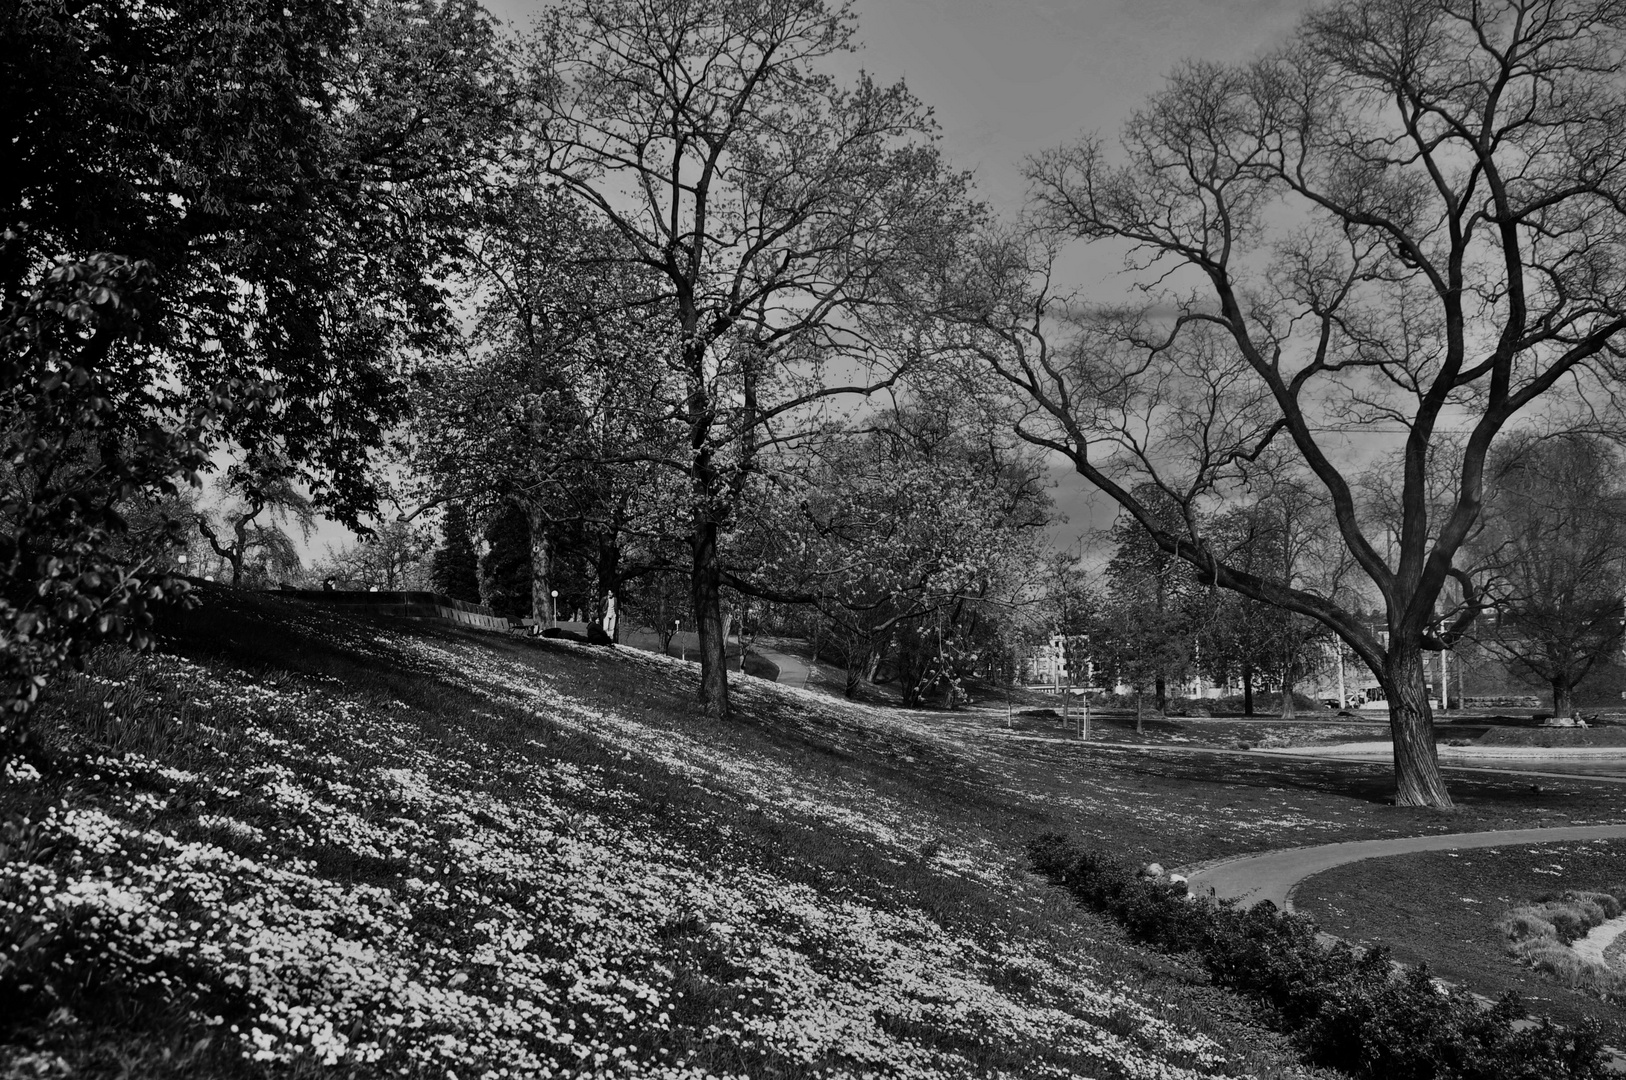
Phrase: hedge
pixel 1349 1010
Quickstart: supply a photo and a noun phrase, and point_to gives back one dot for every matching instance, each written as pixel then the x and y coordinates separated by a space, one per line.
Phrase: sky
pixel 1012 78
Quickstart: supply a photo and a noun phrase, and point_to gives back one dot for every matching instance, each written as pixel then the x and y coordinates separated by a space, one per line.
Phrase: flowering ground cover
pixel 299 845
pixel 1451 923
pixel 295 843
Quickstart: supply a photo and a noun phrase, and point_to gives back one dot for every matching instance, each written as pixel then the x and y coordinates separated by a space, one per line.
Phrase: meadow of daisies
pixel 409 852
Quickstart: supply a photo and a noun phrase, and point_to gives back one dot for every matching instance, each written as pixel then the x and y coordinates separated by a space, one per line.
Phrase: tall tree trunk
pixel 858 659
pixel 1247 689
pixel 1162 691
pixel 1418 781
pixel 707 585
pixel 1563 698
pixel 1290 709
pixel 541 567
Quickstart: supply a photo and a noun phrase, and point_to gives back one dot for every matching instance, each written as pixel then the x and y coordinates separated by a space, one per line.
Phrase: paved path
pixel 1274 875
pixel 1308 753
pixel 793 670
pixel 1599 938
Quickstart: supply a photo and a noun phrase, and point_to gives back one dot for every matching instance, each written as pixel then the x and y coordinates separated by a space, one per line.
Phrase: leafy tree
pixel 780 214
pixel 220 222
pixel 909 525
pixel 455 568
pixel 1553 548
pixel 1147 629
pixel 505 569
pixel 1393 220
pixel 392 557
pixel 564 409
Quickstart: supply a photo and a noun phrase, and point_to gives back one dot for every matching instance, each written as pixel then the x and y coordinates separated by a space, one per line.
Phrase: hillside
pixel 295 843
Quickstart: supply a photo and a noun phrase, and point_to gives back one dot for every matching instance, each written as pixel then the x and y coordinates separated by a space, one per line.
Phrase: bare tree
pixel 1407 218
pixel 777 208
pixel 262 498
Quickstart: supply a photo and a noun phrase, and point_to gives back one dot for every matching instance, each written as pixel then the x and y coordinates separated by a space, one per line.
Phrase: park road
pixel 1273 875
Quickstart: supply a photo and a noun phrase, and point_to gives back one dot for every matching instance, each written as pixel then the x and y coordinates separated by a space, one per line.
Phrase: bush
pixel 1344 1009
pixel 1540 935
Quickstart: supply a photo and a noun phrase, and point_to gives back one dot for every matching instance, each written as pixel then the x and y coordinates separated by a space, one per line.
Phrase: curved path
pixel 1273 875
pixel 793 670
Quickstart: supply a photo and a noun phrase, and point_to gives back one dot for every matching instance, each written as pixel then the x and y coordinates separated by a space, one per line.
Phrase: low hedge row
pixel 1345 1009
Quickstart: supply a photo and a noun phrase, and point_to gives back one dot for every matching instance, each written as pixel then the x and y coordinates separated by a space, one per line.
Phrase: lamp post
pixel 553 610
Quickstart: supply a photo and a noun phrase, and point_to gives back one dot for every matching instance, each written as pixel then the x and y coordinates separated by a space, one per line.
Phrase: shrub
pixel 1540 935
pixel 1344 1009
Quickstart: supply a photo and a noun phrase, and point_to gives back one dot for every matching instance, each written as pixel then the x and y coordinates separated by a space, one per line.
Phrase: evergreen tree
pixel 455 571
pixel 505 571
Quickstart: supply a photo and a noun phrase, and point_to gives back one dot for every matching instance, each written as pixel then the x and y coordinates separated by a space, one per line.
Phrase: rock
pixel 1152 870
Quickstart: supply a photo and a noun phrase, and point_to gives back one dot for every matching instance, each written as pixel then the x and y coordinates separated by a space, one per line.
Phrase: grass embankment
pixel 297 839
pixel 1444 908
pixel 297 842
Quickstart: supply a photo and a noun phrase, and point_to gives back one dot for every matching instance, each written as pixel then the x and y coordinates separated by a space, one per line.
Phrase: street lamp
pixel 553 611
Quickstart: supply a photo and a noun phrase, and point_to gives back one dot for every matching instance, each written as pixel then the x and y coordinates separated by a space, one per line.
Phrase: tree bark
pixel 1161 690
pixel 1418 781
pixel 858 661
pixel 707 588
pixel 1563 698
pixel 541 568
pixel 1247 690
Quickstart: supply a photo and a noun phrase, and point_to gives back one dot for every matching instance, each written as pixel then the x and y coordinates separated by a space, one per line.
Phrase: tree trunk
pixel 1563 698
pixel 1140 713
pixel 1162 691
pixel 858 661
pixel 1418 781
pixel 1247 689
pixel 541 568
pixel 707 585
pixel 1290 709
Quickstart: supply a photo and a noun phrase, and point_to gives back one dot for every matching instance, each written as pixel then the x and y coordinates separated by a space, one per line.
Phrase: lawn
pixel 296 840
pixel 1441 907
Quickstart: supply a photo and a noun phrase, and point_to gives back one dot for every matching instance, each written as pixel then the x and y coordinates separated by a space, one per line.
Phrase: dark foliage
pixel 221 222
pixel 455 570
pixel 505 569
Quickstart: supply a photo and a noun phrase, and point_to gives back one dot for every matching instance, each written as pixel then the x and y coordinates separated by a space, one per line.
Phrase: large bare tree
pixel 1409 218
pixel 777 207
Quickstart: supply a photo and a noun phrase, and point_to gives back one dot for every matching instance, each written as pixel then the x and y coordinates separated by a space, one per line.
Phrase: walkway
pixel 793 670
pixel 1274 875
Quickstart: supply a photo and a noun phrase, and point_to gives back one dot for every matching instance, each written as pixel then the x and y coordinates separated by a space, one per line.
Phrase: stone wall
pixel 404 605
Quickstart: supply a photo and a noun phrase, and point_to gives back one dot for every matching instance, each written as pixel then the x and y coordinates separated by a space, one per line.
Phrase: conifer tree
pixel 456 568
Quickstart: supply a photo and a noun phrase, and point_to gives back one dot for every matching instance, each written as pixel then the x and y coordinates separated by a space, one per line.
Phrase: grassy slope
pixel 1451 925
pixel 406 850
pixel 300 843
